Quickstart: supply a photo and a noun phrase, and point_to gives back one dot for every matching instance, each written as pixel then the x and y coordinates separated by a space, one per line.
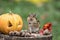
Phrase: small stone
pixel 27 35
pixel 16 33
pixel 11 33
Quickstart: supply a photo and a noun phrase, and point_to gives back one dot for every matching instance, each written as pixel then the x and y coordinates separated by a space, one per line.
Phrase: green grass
pixel 23 9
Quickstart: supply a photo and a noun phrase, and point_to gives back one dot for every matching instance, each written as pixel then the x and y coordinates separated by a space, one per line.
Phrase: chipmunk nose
pixel 31 19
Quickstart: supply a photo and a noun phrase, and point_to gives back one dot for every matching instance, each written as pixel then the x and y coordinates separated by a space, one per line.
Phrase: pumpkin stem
pixel 11 12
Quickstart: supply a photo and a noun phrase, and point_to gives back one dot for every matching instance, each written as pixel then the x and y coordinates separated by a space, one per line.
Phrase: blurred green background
pixel 49 12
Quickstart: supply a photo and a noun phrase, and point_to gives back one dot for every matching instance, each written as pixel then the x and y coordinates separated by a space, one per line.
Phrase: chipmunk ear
pixel 34 15
pixel 29 14
pixel 38 21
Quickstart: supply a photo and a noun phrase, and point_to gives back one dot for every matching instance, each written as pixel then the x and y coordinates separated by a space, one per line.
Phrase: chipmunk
pixel 33 23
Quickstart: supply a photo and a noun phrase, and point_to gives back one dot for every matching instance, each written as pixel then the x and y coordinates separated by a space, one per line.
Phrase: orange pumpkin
pixel 10 22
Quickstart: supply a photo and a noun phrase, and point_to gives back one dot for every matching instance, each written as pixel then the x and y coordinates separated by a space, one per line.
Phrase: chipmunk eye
pixel 29 23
